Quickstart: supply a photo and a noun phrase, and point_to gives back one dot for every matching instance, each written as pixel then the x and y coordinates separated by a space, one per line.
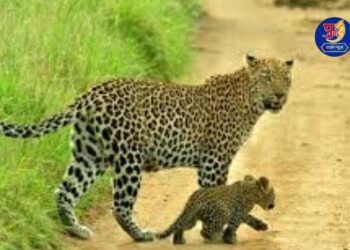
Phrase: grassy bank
pixel 50 51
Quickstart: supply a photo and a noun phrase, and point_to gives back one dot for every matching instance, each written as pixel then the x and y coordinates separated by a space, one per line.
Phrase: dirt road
pixel 305 149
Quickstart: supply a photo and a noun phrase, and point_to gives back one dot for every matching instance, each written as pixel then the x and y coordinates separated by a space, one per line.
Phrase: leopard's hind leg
pixel 87 165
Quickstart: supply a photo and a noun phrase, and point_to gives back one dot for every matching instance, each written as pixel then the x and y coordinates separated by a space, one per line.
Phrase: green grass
pixel 51 51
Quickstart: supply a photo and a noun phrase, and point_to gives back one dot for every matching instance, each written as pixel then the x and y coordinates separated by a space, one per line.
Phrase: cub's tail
pixel 185 218
pixel 47 126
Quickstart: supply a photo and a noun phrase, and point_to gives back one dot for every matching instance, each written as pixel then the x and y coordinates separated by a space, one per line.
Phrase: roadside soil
pixel 304 150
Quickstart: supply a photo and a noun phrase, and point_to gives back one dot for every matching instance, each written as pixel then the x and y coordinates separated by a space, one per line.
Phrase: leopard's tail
pixel 185 218
pixel 47 126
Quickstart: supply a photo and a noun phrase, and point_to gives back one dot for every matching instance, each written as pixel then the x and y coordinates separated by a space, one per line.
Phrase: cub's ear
pixel 248 177
pixel 263 184
pixel 289 63
pixel 250 59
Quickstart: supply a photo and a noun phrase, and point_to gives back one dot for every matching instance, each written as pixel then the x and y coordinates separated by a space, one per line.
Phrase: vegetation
pixel 51 51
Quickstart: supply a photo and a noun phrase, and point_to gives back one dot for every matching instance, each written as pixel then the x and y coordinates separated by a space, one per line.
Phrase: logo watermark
pixel 333 36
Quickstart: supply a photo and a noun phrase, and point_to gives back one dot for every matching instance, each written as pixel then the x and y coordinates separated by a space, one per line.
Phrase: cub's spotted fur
pixel 134 125
pixel 223 205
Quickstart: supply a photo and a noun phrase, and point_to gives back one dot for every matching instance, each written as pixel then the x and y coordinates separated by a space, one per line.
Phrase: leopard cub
pixel 224 205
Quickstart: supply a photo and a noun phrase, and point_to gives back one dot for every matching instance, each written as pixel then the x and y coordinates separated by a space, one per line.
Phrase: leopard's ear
pixel 263 184
pixel 250 59
pixel 249 177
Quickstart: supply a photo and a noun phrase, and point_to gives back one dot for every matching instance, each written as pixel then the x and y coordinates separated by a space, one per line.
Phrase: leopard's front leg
pixel 213 169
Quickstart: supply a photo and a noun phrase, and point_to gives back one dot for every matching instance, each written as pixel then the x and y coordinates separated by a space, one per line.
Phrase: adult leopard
pixel 134 124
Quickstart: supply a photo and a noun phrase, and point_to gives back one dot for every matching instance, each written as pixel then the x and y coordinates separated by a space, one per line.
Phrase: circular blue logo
pixel 333 36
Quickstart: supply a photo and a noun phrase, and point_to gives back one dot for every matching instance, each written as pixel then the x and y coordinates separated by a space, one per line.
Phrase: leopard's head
pixel 271 79
pixel 264 192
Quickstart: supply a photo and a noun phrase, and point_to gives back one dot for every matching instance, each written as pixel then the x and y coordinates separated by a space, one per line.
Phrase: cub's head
pixel 271 79
pixel 265 195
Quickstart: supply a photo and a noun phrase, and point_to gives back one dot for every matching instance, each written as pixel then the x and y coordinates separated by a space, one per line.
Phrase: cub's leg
pixel 179 235
pixel 126 184
pixel 212 229
pixel 82 172
pixel 213 221
pixel 255 223
pixel 178 238
pixel 230 236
